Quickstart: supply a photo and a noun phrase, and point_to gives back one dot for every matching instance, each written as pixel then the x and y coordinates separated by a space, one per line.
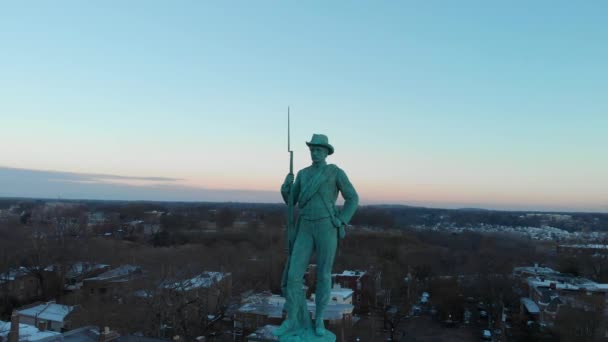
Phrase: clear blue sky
pixel 440 103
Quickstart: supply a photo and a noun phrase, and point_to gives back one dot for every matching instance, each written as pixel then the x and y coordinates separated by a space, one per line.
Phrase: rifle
pixel 291 229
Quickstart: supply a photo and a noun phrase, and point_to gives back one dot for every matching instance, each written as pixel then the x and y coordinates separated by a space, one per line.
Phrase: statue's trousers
pixel 313 235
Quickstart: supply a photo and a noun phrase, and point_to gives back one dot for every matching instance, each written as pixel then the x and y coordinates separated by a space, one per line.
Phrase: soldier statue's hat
pixel 321 140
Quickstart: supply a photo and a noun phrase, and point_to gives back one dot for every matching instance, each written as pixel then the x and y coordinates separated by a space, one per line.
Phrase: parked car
pixel 467 316
pixel 416 310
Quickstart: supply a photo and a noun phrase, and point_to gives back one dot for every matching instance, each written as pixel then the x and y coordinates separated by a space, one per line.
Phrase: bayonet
pixel 289 143
pixel 291 229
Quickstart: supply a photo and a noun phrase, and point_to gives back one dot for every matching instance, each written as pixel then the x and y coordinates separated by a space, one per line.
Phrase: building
pixel 14 331
pixel 11 213
pixel 90 334
pixel 364 287
pixel 152 221
pixel 263 334
pixel 529 309
pixel 20 284
pixel 339 295
pixel 96 218
pixel 27 284
pixel 77 272
pixel 547 291
pixel 211 289
pixel 50 316
pixel 115 283
pixel 596 250
pixel 257 310
pixel 266 309
pixel 536 270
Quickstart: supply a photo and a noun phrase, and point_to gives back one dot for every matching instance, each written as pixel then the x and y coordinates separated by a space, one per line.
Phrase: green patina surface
pixel 317 230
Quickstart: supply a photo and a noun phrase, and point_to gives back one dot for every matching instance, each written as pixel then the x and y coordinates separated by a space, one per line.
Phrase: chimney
pixel 108 335
pixel 103 334
pixel 42 325
pixel 13 335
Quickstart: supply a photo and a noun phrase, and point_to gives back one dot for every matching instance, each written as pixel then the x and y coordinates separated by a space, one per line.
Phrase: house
pixel 26 284
pixel 257 310
pixel 212 289
pixel 529 309
pixel 90 333
pixel 96 218
pixel 11 213
pixel 339 295
pixel 14 331
pixel 115 283
pixel 263 334
pixel 197 300
pixel 152 221
pixel 547 290
pixel 50 315
pixel 20 284
pixel 335 314
pixel 133 228
pixel 79 271
pixel 363 286
pixel 536 270
pixel 262 309
pixel 597 250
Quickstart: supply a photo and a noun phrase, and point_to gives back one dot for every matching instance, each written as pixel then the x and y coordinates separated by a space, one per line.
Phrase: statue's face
pixel 318 153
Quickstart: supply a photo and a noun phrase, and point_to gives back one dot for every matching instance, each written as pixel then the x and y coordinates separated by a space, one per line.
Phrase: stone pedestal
pixel 308 335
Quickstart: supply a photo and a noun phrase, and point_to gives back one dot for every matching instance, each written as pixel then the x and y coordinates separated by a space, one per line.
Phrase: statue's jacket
pixel 315 192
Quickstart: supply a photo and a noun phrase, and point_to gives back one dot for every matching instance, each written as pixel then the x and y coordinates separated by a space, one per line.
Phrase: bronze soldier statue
pixel 318 228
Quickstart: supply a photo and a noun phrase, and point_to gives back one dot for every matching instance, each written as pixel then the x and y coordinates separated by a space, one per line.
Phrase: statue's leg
pixel 326 239
pixel 297 313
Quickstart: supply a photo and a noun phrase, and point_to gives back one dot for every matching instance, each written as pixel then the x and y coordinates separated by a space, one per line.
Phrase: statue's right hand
pixel 289 178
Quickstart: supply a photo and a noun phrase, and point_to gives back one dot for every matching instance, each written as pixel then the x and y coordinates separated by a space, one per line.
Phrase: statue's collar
pixel 319 165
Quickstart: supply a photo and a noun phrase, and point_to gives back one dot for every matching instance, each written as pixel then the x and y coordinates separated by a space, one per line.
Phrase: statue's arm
pixel 351 198
pixel 289 187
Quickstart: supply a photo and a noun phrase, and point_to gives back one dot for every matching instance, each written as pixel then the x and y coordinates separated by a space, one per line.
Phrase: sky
pixel 498 105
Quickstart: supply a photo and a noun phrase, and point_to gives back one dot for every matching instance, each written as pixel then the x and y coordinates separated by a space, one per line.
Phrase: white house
pixel 53 314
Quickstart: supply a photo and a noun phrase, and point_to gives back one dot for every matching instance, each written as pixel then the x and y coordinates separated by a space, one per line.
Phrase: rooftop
pixel 13 274
pixel 117 273
pixel 81 268
pixel 203 280
pixel 26 332
pixel 585 246
pixel 348 273
pixel 565 282
pixel 48 311
pixel 274 308
pixel 84 334
pixel 341 292
pixel 531 307
pixel 535 270
pixel 263 309
pixel 264 333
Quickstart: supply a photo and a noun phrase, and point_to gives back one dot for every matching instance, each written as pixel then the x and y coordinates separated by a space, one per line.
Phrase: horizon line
pixel 380 204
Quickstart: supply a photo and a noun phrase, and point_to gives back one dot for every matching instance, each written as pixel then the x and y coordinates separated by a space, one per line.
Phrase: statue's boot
pixel 319 325
pixel 289 323
pixel 285 327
